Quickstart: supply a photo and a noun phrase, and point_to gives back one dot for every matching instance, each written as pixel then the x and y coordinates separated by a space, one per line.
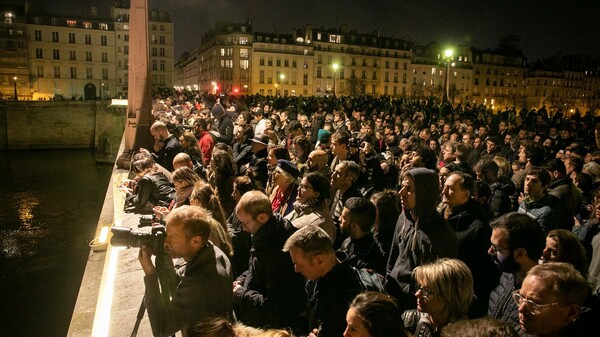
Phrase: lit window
pixel 87 25
pixel 71 23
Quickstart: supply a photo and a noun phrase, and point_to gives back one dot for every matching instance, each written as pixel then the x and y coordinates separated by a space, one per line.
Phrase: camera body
pixel 355 142
pixel 127 237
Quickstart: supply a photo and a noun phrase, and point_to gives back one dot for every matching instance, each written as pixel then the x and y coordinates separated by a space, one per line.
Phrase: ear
pixel 519 253
pixel 262 218
pixel 197 240
pixel 572 313
pixel 318 259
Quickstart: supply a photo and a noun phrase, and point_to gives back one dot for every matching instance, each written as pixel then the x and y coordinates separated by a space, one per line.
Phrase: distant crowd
pixel 366 216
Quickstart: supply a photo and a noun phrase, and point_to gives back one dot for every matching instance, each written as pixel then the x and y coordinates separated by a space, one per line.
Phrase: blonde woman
pixel 444 292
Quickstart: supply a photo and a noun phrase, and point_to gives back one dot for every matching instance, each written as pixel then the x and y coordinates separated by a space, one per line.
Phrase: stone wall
pixel 62 124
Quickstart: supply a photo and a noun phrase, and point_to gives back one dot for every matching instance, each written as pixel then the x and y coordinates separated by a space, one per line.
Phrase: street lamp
pixel 15 86
pixel 335 67
pixel 448 53
pixel 281 78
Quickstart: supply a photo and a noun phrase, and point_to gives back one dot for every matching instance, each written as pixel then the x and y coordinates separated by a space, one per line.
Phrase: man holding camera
pixel 204 288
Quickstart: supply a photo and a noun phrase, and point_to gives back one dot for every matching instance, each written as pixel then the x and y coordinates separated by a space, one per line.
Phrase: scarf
pixel 308 207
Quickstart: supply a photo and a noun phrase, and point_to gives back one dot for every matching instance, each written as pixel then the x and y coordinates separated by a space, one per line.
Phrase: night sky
pixel 545 26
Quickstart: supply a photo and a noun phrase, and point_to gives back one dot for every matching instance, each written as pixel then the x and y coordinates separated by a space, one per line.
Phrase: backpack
pixel 369 279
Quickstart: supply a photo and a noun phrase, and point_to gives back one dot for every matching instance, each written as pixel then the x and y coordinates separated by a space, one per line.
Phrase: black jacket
pixel 418 241
pixel 225 130
pixel 272 293
pixel 154 189
pixel 329 298
pixel 258 165
pixel 204 291
pixel 502 307
pixel 164 157
pixel 473 234
pixel 365 252
pixel 500 201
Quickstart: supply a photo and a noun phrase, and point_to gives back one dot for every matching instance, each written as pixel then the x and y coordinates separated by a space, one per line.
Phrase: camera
pixel 148 220
pixel 355 142
pixel 127 237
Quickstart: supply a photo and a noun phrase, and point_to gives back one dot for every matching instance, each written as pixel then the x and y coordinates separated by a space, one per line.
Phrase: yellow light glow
pixel 448 52
pixel 105 297
pixel 335 66
pixel 103 234
pixel 282 76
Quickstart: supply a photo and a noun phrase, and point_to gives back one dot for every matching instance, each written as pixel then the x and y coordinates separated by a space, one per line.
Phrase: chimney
pixel 94 11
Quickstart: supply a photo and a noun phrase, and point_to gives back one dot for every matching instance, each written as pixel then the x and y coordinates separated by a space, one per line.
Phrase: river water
pixel 50 202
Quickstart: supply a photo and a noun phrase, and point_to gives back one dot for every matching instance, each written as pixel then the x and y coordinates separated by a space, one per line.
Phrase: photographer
pixel 204 288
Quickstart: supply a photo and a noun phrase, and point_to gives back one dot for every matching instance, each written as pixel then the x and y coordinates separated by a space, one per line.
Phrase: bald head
pixel 317 159
pixel 182 159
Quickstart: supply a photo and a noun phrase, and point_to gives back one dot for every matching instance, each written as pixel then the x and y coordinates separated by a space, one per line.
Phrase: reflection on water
pixel 50 203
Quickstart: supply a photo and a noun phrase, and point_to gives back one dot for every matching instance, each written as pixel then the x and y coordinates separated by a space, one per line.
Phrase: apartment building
pixel 14 53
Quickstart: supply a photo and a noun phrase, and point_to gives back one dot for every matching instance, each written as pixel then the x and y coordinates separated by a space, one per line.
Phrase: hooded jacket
pixel 418 240
pixel 499 201
pixel 473 234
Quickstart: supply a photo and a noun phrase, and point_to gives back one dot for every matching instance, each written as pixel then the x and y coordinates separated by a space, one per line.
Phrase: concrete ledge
pixel 112 287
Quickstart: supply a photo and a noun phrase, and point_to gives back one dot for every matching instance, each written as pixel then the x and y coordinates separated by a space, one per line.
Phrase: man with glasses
pixel 269 293
pixel 517 243
pixel 550 302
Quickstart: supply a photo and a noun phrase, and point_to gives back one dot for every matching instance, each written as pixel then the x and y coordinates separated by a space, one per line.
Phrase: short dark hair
pixel 542 174
pixel 523 232
pixel 362 212
pixel 467 181
pixel 556 165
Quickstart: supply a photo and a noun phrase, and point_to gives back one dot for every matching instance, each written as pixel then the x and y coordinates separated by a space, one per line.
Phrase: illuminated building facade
pixel 71 57
pixel 14 59
pixel 160 30
pixel 221 62
pixel 567 82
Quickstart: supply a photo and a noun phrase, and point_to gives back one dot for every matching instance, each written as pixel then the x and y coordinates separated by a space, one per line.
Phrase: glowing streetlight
pixel 281 78
pixel 15 85
pixel 335 67
pixel 448 55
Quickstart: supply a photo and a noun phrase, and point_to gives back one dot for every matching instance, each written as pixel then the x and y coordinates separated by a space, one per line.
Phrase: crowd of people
pixel 363 216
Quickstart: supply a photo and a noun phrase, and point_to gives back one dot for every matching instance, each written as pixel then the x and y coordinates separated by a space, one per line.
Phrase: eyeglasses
pixel 426 293
pixel 495 249
pixel 530 305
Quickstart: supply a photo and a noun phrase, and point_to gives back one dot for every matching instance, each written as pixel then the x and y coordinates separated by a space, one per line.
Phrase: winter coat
pixel 569 200
pixel 502 307
pixel 473 234
pixel 418 241
pixel 153 189
pixel 191 302
pixel 271 292
pixel 364 252
pixel 329 298
pixel 317 215
pixel 500 197
pixel 541 211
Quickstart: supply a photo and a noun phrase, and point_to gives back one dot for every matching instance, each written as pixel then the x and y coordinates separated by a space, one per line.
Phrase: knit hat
pixel 288 167
pixel 323 136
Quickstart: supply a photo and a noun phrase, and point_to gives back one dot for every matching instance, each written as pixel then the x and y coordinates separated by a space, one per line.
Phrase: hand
pixel 161 212
pixel 145 258
pixel 314 333
pixel 144 151
pixel 520 198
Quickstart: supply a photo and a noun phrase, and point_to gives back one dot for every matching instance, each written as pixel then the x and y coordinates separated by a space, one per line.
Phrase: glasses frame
pixel 496 249
pixel 426 293
pixel 531 306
